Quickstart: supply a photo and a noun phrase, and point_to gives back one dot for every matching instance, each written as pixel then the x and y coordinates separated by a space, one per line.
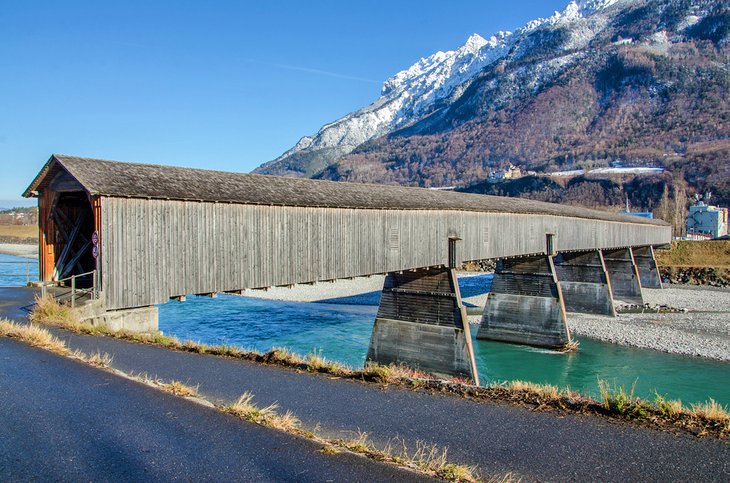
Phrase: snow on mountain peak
pixel 474 43
pixel 575 10
pixel 413 92
pixel 425 66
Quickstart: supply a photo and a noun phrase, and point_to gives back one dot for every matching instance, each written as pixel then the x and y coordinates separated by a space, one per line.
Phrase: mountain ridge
pixel 638 81
pixel 411 93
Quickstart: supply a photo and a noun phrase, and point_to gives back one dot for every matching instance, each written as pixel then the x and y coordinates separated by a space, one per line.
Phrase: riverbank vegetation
pixel 23 234
pixel 683 253
pixel 426 459
pixel 696 262
pixel 706 419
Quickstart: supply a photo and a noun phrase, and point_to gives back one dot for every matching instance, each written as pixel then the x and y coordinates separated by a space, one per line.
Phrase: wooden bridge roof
pixel 118 179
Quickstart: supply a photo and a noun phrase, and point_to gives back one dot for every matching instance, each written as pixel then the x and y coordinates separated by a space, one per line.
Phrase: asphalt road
pixel 497 437
pixel 61 420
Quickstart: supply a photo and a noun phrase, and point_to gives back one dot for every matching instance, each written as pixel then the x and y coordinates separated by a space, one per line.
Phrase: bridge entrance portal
pixel 67 226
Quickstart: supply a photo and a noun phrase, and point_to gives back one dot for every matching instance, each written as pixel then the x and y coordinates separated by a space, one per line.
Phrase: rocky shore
pixel 707 276
pixel 699 326
pixel 701 329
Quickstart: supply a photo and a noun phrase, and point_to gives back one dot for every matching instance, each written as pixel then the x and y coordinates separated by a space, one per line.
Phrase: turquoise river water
pixel 341 331
pixel 16 271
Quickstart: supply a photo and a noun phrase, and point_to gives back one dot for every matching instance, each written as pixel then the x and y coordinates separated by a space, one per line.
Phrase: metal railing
pixel 27 265
pixel 74 293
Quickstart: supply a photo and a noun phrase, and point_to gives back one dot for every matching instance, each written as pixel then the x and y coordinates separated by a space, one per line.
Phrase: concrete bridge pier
pixel 648 269
pixel 422 323
pixel 138 319
pixel 585 283
pixel 624 275
pixel 526 304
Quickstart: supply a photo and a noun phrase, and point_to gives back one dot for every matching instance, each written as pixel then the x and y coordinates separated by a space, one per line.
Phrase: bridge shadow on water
pixel 340 329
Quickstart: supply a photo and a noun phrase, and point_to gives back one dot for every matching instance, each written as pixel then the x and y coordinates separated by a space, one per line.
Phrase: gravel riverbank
pixel 19 250
pixel 702 331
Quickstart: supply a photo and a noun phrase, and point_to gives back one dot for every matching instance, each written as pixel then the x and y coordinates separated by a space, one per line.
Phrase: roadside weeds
pixel 426 459
pixel 705 419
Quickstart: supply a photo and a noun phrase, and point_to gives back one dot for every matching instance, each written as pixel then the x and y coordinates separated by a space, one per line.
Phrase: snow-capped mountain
pixel 413 93
pixel 643 81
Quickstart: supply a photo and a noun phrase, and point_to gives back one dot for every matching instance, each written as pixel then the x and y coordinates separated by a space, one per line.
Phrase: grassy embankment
pixel 20 234
pixel 706 419
pixel 711 253
pixel 696 262
pixel 424 458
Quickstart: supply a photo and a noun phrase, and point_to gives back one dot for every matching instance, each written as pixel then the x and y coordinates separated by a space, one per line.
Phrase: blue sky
pixel 219 85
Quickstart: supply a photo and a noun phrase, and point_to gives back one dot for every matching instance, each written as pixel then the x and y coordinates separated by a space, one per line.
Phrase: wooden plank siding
pixel 154 249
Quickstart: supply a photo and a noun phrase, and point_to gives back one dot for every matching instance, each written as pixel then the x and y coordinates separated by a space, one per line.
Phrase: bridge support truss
pixel 526 304
pixel 647 266
pixel 585 283
pixel 624 275
pixel 422 323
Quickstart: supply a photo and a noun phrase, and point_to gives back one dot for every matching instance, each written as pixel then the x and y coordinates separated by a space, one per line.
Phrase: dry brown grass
pixel 425 457
pixel 33 335
pixel 615 401
pixel 392 374
pixel 545 391
pixel 715 253
pixel 179 389
pixel 315 362
pixel 246 409
pixel 671 408
pixel 571 346
pixel 48 311
pixel 711 411
pixel 99 359
pixel 24 233
pixel 283 356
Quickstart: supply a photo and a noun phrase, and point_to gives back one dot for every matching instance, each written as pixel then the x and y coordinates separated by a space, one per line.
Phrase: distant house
pixel 707 220
pixel 511 172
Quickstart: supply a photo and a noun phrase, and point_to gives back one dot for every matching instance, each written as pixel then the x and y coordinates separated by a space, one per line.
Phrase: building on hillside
pixel 707 220
pixel 510 172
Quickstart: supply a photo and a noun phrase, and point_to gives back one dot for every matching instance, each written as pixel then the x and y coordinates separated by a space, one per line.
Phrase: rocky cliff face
pixel 643 81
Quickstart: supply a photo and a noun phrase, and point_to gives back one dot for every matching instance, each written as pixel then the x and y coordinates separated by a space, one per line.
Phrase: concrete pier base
pixel 422 323
pixel 140 319
pixel 526 304
pixel 624 275
pixel 648 269
pixel 585 283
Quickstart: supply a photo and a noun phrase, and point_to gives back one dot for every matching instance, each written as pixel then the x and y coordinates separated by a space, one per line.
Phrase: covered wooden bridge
pixel 152 233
